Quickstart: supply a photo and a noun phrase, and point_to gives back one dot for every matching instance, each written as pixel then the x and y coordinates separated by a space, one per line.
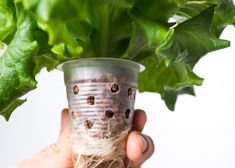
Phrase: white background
pixel 200 133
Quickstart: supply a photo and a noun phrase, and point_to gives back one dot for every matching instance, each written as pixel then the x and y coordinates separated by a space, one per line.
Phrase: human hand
pixel 140 147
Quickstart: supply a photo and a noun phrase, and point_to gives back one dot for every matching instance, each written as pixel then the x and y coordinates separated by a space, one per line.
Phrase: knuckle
pixel 54 148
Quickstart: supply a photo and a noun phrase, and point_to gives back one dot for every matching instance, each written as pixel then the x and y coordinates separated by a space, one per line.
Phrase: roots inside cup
pixel 102 153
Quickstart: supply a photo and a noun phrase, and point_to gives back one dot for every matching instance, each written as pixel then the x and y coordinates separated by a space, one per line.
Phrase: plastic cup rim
pixel 141 67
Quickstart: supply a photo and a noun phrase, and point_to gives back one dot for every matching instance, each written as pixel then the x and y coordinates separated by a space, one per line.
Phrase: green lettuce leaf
pixel 44 58
pixel 6 113
pixel 177 56
pixel 169 81
pixel 16 66
pixel 94 28
pixel 180 48
pixel 191 8
pixel 191 40
pixel 7 19
pixel 224 15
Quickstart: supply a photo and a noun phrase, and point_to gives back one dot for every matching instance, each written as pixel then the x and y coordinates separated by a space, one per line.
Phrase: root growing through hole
pixel 102 153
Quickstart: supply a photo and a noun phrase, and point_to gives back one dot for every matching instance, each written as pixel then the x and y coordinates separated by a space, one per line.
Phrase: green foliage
pixel 16 65
pixel 167 36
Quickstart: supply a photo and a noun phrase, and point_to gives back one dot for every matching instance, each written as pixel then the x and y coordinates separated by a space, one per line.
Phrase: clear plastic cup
pixel 101 96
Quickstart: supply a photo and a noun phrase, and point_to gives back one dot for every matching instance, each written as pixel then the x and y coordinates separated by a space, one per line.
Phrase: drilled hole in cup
pixel 91 100
pixel 74 116
pixel 129 92
pixel 88 124
pixel 127 113
pixel 114 88
pixel 109 113
pixel 75 89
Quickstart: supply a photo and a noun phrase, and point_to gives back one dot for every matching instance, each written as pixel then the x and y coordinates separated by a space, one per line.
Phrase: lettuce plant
pixel 167 36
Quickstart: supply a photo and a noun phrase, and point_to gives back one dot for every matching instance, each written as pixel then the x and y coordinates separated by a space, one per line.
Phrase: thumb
pixel 64 141
pixel 65 126
pixel 140 148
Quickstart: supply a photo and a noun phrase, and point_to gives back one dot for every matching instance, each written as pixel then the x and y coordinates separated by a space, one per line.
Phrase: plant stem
pixel 105 31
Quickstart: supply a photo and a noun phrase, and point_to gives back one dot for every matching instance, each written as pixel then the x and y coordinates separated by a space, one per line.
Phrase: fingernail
pixel 144 143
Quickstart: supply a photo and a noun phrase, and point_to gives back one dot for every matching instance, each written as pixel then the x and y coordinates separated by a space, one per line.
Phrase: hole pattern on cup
pixel 88 124
pixel 127 113
pixel 109 113
pixel 129 92
pixel 91 100
pixel 75 89
pixel 74 116
pixel 114 88
pixel 101 108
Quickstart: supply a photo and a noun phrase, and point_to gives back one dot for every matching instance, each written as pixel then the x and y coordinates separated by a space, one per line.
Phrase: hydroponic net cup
pixel 101 96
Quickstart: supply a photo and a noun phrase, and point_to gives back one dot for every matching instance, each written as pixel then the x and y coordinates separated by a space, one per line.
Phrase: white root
pixel 102 153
